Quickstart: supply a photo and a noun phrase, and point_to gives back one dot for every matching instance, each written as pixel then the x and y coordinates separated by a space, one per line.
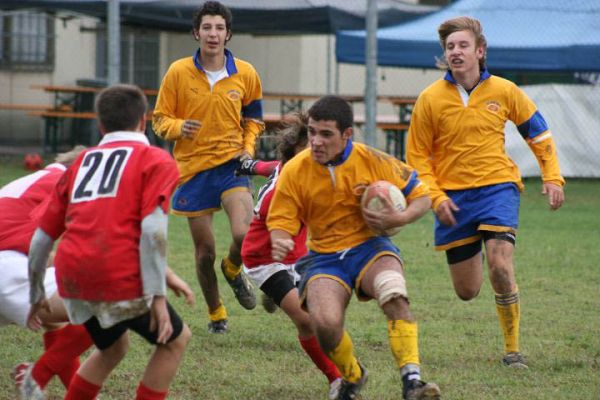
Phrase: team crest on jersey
pixel 359 189
pixel 234 95
pixel 493 106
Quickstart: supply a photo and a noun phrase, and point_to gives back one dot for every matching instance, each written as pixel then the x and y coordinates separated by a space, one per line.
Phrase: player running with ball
pixel 321 188
pixel 277 279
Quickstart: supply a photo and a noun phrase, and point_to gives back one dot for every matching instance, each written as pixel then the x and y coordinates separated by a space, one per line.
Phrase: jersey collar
pixel 229 62
pixel 344 157
pixel 124 136
pixel 482 77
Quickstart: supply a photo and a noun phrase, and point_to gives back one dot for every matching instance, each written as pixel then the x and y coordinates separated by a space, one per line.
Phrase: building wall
pixel 287 64
pixel 74 59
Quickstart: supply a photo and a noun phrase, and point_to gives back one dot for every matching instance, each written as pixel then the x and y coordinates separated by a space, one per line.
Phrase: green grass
pixel 460 342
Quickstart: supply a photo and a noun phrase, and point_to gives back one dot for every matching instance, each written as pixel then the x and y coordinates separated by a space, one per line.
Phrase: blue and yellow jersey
pixel 230 113
pixel 327 198
pixel 456 140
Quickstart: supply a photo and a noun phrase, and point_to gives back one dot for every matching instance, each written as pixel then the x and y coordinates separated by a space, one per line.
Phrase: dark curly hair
pixel 213 8
pixel 292 135
pixel 333 108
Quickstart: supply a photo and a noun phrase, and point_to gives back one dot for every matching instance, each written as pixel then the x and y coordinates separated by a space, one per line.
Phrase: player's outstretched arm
pixel 247 167
pixel 256 167
pixel 39 252
pixel 180 287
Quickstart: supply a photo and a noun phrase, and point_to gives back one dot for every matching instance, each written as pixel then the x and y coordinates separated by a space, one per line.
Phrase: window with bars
pixel 139 56
pixel 27 40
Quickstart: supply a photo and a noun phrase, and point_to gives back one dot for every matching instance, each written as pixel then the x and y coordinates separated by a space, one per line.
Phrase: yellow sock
pixel 509 312
pixel 343 357
pixel 230 269
pixel 218 314
pixel 404 342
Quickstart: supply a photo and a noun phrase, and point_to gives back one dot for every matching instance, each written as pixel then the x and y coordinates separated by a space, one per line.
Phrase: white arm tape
pixel 153 253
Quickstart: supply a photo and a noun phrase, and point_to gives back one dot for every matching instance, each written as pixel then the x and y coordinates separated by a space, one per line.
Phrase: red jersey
pixel 98 207
pixel 256 248
pixel 18 201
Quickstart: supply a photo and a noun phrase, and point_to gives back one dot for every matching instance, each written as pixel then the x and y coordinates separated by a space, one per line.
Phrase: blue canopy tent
pixel 541 35
pixel 264 17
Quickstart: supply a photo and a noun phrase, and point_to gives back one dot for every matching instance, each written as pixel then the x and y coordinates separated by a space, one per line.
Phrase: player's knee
pixel 304 328
pixel 389 285
pixel 205 260
pixel 467 294
pixel 181 342
pixel 328 338
pixel 502 277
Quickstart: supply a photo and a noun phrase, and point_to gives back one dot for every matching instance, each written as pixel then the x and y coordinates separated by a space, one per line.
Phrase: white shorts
pixel 14 287
pixel 261 273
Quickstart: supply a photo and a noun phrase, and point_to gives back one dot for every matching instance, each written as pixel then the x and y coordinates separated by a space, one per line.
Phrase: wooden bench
pixel 54 122
pixel 31 107
pixel 53 113
pixel 395 133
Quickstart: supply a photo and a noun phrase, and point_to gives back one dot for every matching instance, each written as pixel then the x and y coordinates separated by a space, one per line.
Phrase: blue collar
pixel 229 62
pixel 484 75
pixel 344 157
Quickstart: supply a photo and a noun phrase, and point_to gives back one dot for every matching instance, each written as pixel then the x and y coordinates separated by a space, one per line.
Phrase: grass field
pixel 556 259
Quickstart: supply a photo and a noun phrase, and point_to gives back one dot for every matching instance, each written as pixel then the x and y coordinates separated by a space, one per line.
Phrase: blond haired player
pixel 456 142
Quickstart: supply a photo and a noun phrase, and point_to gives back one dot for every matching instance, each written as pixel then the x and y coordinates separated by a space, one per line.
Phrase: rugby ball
pixel 372 199
pixel 32 162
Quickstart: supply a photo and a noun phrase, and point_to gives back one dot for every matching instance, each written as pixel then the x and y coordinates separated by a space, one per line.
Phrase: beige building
pixel 69 49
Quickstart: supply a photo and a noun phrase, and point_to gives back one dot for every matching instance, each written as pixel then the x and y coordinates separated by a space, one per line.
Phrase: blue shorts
pixel 489 208
pixel 203 193
pixel 346 267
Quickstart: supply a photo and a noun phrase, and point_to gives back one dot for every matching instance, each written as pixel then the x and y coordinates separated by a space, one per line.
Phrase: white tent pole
pixel 329 60
pixel 371 76
pixel 113 27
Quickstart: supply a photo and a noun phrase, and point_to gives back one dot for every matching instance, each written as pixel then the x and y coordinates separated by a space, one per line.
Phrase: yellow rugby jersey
pixel 457 141
pixel 230 113
pixel 327 198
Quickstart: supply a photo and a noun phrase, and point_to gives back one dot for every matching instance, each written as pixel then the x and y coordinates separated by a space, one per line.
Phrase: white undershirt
pixel 215 76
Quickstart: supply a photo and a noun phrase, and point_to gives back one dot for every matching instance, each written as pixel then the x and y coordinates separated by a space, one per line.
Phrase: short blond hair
pixel 457 24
